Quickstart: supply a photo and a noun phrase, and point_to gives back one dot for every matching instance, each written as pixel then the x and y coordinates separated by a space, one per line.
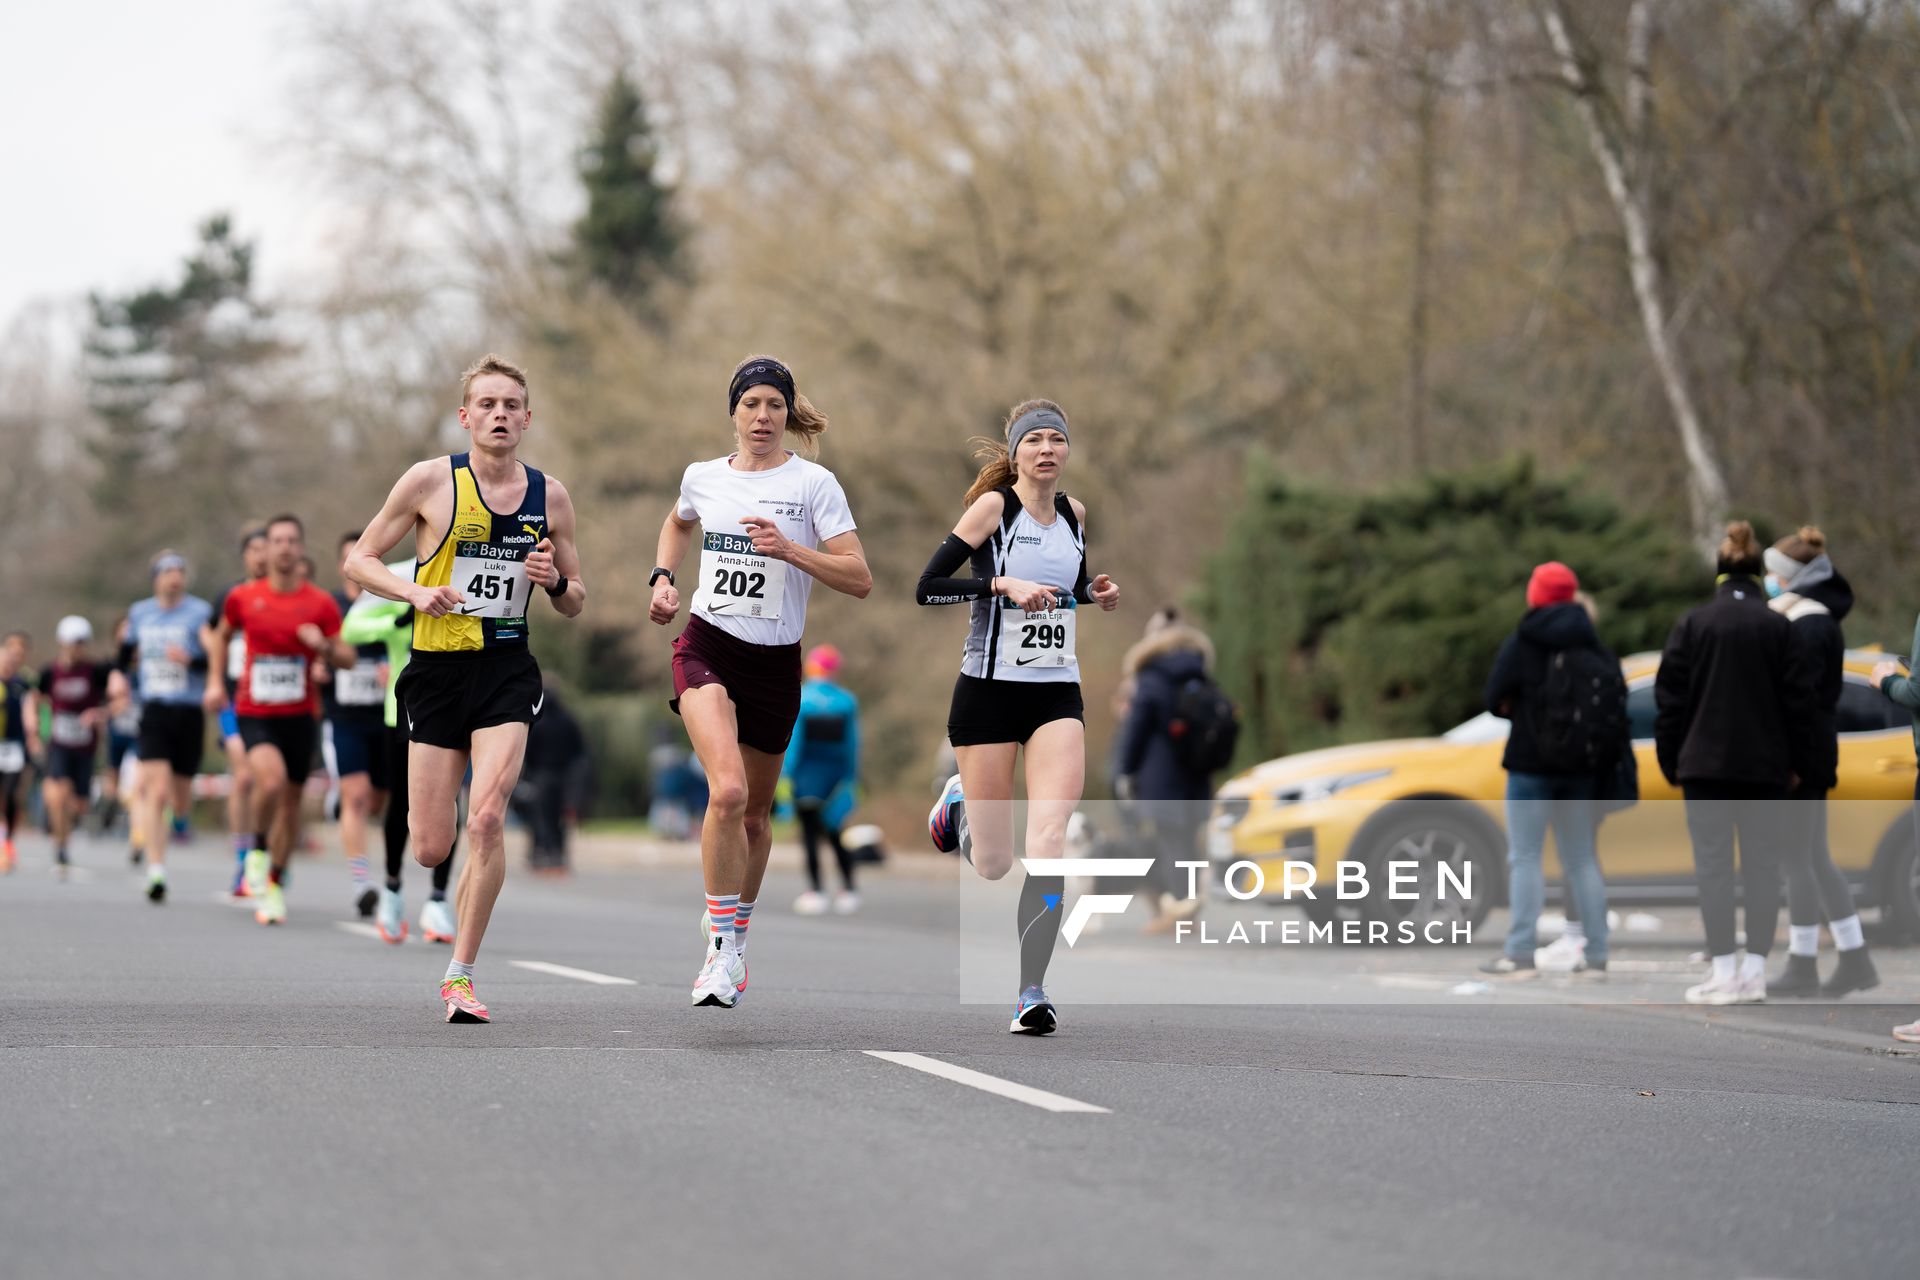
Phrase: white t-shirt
pixel 748 596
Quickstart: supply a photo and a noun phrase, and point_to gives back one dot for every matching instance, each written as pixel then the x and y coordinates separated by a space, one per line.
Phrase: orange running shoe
pixel 461 1006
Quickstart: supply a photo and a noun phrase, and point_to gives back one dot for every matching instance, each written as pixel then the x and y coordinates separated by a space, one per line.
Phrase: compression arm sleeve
pixel 939 586
pixel 1083 585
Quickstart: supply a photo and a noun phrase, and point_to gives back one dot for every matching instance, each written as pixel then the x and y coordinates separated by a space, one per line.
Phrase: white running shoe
pixel 846 902
pixel 1564 954
pixel 715 985
pixel 739 969
pixel 1729 990
pixel 390 916
pixel 810 903
pixel 436 921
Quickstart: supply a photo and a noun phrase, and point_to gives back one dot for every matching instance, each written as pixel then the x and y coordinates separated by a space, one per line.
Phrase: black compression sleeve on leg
pixel 443 874
pixel 1039 926
pixel 938 585
pixel 395 826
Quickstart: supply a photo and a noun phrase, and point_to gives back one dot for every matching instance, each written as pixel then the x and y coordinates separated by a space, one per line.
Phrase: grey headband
pixel 1035 420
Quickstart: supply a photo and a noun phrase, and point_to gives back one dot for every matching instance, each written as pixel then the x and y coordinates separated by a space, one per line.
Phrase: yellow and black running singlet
pixel 484 557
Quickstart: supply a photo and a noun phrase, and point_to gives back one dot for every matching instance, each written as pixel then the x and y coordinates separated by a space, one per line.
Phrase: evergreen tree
pixel 174 382
pixel 1343 617
pixel 628 238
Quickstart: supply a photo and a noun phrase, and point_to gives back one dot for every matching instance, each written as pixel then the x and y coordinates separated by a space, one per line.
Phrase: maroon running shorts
pixel 763 680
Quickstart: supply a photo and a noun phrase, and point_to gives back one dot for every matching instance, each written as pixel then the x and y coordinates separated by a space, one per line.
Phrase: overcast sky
pixel 123 123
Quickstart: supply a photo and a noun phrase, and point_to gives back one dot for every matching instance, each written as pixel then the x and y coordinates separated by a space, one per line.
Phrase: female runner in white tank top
pixel 772 523
pixel 1019 684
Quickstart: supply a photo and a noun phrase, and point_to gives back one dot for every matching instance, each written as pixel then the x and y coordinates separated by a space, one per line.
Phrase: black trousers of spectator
pixel 1171 830
pixel 1815 886
pixel 814 829
pixel 545 812
pixel 1718 815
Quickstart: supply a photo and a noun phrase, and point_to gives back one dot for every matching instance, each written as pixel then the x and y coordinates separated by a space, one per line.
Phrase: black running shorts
pixel 292 736
pixel 986 711
pixel 445 697
pixel 173 733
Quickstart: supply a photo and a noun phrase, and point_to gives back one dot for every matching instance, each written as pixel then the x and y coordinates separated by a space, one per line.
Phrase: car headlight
pixel 1313 789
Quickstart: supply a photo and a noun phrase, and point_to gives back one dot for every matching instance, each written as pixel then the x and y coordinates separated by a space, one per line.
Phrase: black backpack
pixel 1205 727
pixel 1579 715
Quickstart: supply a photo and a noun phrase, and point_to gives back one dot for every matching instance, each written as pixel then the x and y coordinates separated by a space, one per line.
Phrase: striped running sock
pixel 740 917
pixel 358 866
pixel 722 908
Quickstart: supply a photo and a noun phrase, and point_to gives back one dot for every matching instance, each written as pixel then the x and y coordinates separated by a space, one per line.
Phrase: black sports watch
pixel 659 572
pixel 559 588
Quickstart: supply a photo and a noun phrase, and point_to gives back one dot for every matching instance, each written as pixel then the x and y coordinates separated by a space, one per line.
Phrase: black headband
pixel 755 373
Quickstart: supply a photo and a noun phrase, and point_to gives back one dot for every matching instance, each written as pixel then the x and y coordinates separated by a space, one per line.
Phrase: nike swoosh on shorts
pixel 540 703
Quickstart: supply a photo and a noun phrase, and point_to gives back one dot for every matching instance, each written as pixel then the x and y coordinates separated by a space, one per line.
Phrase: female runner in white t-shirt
pixel 771 523
pixel 1019 684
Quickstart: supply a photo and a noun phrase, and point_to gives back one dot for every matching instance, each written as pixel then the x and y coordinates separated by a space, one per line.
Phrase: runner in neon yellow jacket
pixel 372 620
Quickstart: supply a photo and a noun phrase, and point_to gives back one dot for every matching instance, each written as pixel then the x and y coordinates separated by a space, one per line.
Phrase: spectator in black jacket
pixel 1813 597
pixel 1734 710
pixel 1170 798
pixel 1543 791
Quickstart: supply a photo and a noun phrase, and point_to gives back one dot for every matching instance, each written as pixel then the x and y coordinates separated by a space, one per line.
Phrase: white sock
pixel 1803 940
pixel 458 970
pixel 1752 966
pixel 1576 932
pixel 1724 968
pixel 1847 935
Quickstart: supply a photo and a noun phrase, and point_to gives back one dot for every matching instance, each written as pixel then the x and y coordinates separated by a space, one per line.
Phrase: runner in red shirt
pixel 287 623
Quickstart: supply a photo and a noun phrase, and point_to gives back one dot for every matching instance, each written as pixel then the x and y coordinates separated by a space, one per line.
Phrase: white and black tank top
pixel 1005 643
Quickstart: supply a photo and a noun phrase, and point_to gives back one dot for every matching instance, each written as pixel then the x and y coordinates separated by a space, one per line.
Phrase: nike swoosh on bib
pixel 1021 662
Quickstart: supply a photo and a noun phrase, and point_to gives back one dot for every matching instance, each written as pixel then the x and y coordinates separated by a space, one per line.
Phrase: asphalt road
pixel 185 1093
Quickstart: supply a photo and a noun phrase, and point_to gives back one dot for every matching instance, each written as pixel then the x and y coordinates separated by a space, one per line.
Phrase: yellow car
pixel 1441 800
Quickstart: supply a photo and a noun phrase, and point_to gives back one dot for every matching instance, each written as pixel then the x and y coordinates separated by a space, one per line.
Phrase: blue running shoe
pixel 1033 1014
pixel 947 822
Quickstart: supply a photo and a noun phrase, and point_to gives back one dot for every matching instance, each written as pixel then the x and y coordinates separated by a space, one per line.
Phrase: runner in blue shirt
pixel 168 661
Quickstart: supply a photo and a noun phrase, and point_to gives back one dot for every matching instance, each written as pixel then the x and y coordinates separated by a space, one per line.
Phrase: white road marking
pixel 986 1083
pixel 583 975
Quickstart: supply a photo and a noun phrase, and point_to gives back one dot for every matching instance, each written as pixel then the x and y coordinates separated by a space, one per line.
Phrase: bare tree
pixel 1621 145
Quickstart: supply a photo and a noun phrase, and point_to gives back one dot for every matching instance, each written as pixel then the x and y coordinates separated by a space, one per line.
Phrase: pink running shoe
pixel 461 1006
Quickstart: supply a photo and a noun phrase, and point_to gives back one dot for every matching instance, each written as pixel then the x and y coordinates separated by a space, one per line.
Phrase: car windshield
pixel 1485 727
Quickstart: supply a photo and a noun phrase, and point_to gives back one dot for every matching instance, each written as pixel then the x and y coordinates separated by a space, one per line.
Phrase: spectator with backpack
pixel 1734 720
pixel 1563 692
pixel 1180 730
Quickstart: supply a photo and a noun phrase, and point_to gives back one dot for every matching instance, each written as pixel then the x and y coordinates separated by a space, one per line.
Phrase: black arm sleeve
pixel 938 585
pixel 1083 585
